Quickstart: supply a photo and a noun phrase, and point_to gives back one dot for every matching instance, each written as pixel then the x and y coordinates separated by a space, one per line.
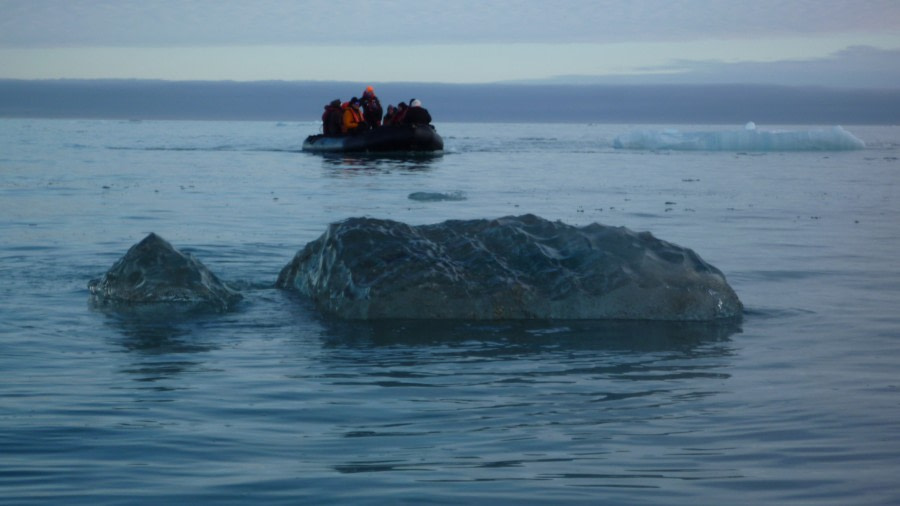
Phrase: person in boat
pixel 353 118
pixel 399 113
pixel 389 115
pixel 416 114
pixel 332 118
pixel 371 106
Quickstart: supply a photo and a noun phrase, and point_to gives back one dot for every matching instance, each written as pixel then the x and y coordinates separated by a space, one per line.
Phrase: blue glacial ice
pixel 746 139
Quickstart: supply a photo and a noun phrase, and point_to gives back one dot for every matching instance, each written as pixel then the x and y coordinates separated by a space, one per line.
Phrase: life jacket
pixel 352 118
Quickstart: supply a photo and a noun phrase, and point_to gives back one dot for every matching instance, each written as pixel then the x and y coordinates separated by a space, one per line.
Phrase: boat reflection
pixel 342 164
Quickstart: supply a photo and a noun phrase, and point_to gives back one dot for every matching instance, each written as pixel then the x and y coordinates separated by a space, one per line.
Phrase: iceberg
pixel 510 268
pixel 154 275
pixel 748 139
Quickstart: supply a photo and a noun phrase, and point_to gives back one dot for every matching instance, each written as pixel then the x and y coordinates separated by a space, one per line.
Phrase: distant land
pixel 502 102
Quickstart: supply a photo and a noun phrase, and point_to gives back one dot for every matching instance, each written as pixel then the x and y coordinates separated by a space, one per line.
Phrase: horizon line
pixel 554 81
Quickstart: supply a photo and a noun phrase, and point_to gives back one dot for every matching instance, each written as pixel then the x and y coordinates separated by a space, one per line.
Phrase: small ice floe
pixel 437 196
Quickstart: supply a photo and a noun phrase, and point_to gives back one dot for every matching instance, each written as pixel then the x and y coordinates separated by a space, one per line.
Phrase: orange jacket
pixel 352 118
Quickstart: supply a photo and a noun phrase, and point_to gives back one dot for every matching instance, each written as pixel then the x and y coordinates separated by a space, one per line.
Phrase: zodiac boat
pixel 390 138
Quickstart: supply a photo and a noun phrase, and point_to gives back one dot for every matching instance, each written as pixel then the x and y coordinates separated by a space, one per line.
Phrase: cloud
pixel 854 67
pixel 105 23
pixel 661 40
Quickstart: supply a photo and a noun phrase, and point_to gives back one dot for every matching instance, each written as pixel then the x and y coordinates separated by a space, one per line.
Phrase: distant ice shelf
pixel 747 139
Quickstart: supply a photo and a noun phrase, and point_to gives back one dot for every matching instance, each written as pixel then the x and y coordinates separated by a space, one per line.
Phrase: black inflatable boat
pixel 391 138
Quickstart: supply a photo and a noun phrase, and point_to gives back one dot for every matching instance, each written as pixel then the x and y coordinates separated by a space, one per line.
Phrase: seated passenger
pixel 389 115
pixel 416 114
pixel 353 119
pixel 332 118
pixel 397 119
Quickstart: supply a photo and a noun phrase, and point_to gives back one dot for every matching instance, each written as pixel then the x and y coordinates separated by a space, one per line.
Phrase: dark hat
pixel 336 102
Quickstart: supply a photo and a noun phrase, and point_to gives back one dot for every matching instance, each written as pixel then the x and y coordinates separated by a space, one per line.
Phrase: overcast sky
pixel 826 42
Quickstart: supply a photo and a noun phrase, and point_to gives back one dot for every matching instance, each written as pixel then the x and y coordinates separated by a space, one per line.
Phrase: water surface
pixel 797 404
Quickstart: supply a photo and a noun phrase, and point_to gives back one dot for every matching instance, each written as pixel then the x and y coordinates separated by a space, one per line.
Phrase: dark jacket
pixel 389 115
pixel 332 119
pixel 371 109
pixel 417 116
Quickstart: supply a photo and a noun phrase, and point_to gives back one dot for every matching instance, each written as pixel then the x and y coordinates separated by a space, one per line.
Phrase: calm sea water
pixel 798 404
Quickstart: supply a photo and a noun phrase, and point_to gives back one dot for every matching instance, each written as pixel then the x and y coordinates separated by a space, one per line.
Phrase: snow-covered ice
pixel 747 139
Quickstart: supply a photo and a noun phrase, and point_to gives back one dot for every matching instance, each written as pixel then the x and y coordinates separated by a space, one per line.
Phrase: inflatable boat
pixel 391 138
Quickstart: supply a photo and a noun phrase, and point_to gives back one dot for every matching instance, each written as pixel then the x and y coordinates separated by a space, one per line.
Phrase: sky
pixel 840 43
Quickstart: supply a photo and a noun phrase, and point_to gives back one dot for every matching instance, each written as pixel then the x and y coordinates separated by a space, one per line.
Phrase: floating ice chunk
pixel 437 196
pixel 516 267
pixel 748 139
pixel 153 274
